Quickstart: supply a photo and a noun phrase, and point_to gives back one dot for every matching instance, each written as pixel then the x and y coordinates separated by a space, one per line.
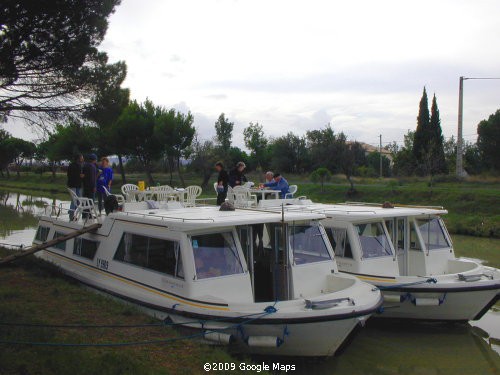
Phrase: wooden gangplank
pixel 36 248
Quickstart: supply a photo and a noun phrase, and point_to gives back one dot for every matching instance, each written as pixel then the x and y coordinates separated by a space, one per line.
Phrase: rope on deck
pixel 430 280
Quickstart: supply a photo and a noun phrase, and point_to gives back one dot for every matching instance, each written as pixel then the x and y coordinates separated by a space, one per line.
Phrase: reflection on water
pixel 399 347
pixel 382 347
pixel 18 217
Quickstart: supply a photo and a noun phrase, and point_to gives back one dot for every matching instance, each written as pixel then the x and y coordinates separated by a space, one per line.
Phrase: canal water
pixel 382 347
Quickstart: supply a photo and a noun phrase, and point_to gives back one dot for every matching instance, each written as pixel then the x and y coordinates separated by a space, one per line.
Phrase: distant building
pixel 369 149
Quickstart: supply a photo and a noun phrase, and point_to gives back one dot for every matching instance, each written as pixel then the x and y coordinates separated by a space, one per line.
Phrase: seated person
pixel 279 183
pixel 269 176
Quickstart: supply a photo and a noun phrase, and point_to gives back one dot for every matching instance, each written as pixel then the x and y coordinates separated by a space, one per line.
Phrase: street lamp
pixel 460 165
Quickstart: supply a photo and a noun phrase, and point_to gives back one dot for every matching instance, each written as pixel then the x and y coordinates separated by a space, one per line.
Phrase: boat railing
pixel 164 217
pixel 57 211
pixel 349 203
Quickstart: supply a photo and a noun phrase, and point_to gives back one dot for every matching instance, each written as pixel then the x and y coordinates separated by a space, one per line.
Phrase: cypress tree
pixel 422 136
pixel 437 140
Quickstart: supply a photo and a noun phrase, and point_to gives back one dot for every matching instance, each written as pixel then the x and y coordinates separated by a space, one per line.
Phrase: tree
pixel 22 150
pixel 436 146
pixel 352 156
pixel 488 141
pixel 289 153
pixel 224 135
pixel 422 136
pixel 256 142
pixel 49 61
pixel 373 164
pixel 6 152
pixel 450 152
pixel 321 174
pixel 428 148
pixel 135 128
pixel 175 131
pixel 104 111
pixel 203 159
pixel 324 148
pixel 68 140
pixel 404 158
pixel 14 150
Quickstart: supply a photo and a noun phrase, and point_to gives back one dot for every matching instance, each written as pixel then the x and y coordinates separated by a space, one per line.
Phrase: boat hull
pixel 302 334
pixel 451 305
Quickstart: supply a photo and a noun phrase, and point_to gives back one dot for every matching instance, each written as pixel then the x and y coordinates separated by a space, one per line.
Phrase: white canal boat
pixel 407 253
pixel 199 267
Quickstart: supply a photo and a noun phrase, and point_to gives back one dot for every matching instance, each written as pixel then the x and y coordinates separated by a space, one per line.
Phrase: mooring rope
pixel 267 311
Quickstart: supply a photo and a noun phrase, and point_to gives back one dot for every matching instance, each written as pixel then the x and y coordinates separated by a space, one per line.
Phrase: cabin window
pixel 308 245
pixel 85 248
pixel 414 242
pixel 340 242
pixel 373 239
pixel 216 255
pixel 42 233
pixel 153 253
pixel 60 245
pixel 432 234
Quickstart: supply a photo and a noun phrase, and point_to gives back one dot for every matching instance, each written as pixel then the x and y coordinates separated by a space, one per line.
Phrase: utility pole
pixel 460 166
pixel 460 141
pixel 380 152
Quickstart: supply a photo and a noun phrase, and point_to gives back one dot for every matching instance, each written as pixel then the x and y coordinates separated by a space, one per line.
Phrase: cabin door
pixel 247 244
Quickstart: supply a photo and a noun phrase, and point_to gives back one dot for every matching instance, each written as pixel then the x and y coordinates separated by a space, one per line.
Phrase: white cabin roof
pixel 350 212
pixel 210 217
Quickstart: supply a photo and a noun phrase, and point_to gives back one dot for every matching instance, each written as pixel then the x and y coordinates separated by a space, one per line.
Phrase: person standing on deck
pixel 75 175
pixel 104 180
pixel 280 184
pixel 236 176
pixel 90 178
pixel 222 183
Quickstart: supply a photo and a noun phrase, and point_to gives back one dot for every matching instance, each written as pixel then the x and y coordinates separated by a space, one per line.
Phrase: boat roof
pixel 355 211
pixel 211 217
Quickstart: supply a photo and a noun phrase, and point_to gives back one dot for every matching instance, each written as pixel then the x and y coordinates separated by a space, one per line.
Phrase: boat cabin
pixel 202 253
pixel 389 241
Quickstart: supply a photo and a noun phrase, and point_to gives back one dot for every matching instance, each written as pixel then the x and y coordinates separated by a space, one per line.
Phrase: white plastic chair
pixel 164 193
pixel 192 192
pixel 230 195
pixel 120 198
pixel 126 188
pixel 248 184
pixel 243 198
pixel 292 189
pixel 83 205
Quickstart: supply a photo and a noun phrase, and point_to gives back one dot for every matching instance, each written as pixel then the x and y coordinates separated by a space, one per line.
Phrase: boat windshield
pixel 308 244
pixel 432 233
pixel 373 239
pixel 216 254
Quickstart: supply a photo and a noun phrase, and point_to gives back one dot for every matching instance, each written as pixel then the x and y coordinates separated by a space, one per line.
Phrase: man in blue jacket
pixel 280 184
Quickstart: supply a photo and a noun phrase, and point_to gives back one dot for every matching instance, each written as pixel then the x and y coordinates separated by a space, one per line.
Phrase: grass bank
pixel 33 291
pixel 472 204
pixel 486 249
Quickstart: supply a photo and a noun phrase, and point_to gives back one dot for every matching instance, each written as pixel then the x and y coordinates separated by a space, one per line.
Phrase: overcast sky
pixel 296 65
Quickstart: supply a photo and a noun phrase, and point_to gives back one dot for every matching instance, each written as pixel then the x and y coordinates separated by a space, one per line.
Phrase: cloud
pixel 216 96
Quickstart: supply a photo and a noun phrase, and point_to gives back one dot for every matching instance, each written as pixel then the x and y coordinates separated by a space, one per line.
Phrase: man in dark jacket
pixel 90 177
pixel 222 183
pixel 236 176
pixel 75 175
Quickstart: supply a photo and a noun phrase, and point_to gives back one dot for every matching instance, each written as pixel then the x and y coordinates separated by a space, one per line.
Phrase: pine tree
pixel 437 140
pixel 422 136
